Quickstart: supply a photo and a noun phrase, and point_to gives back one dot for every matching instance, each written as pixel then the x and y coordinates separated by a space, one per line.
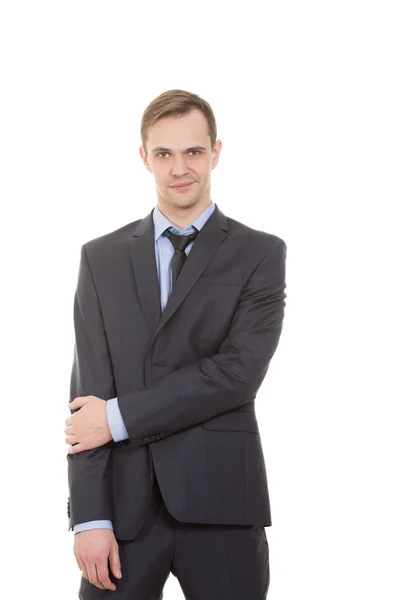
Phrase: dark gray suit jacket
pixel 186 379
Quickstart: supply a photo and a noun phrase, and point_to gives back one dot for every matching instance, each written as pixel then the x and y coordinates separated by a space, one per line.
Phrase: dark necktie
pixel 179 242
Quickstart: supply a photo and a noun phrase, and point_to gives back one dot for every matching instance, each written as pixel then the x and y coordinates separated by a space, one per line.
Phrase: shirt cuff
pixel 92 525
pixel 115 421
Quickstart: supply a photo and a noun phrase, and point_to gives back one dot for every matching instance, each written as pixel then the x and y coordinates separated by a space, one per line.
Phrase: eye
pixel 196 151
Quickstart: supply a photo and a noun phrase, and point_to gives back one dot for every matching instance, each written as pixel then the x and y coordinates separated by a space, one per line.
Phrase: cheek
pixel 202 172
pixel 162 178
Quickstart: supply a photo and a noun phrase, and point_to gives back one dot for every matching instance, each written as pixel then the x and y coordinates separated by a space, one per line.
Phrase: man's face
pixel 179 151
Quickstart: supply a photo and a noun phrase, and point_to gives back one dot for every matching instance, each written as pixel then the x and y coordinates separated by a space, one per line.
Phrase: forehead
pixel 179 131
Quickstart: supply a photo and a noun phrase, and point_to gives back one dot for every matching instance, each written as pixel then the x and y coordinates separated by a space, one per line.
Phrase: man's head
pixel 178 132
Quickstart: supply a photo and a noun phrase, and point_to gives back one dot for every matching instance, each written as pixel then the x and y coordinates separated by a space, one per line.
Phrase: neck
pixel 182 217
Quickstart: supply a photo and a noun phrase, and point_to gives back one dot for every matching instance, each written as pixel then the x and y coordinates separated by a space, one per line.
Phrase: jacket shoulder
pixel 112 239
pixel 259 237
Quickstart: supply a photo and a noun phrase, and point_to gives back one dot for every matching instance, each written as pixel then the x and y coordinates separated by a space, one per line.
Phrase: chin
pixel 184 201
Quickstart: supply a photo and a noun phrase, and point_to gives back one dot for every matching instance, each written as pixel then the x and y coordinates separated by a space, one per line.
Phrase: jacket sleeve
pixel 89 477
pixel 226 380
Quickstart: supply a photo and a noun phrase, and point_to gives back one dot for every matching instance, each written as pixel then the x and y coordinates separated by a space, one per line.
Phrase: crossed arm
pixel 92 373
pixel 194 393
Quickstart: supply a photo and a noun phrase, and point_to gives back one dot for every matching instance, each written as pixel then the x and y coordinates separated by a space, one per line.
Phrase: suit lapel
pixel 207 242
pixel 145 270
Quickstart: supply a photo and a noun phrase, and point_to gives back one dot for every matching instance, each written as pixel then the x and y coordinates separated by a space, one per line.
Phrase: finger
pixel 103 575
pixel 115 562
pixel 69 429
pixel 75 449
pixel 82 567
pixel 92 572
pixel 71 439
pixel 68 421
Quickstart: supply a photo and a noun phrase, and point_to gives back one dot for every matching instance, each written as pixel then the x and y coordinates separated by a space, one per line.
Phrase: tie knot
pixel 180 242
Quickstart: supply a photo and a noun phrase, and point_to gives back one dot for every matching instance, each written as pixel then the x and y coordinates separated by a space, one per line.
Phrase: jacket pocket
pixel 212 280
pixel 242 420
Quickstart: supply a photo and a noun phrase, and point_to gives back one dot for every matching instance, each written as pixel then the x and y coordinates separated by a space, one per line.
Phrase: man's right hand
pixel 92 549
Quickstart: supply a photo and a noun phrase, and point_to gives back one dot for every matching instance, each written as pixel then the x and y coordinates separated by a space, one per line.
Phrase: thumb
pixel 78 402
pixel 115 562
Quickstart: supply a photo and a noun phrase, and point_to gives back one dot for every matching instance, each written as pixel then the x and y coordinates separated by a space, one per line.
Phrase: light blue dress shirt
pixel 164 252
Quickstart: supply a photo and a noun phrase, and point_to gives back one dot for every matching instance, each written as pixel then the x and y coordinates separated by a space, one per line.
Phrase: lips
pixel 182 185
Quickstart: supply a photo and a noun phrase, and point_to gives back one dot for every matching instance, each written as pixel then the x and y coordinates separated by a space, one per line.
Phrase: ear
pixel 216 153
pixel 144 158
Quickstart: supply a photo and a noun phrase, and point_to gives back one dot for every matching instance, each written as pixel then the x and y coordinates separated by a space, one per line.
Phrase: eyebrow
pixel 161 149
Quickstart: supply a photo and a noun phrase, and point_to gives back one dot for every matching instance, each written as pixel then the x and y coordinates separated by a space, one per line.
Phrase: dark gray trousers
pixel 211 562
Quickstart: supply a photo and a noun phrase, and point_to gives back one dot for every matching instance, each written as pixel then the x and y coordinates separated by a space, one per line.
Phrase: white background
pixel 306 97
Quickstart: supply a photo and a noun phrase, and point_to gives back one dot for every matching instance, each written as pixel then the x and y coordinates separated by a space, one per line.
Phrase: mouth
pixel 183 186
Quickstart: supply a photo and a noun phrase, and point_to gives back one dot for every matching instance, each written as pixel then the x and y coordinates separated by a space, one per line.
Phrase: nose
pixel 179 168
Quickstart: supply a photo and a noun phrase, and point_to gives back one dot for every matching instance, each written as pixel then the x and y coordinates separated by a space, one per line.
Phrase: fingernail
pixel 119 574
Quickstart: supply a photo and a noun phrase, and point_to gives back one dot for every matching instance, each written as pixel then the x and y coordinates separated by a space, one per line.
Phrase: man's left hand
pixel 88 427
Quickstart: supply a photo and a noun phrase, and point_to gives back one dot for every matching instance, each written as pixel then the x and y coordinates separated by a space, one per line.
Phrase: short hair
pixel 176 102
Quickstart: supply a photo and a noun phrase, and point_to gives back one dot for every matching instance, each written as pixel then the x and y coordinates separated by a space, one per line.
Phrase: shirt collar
pixel 161 223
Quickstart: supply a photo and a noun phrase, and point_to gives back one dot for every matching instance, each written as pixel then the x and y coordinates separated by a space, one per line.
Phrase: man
pixel 177 317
